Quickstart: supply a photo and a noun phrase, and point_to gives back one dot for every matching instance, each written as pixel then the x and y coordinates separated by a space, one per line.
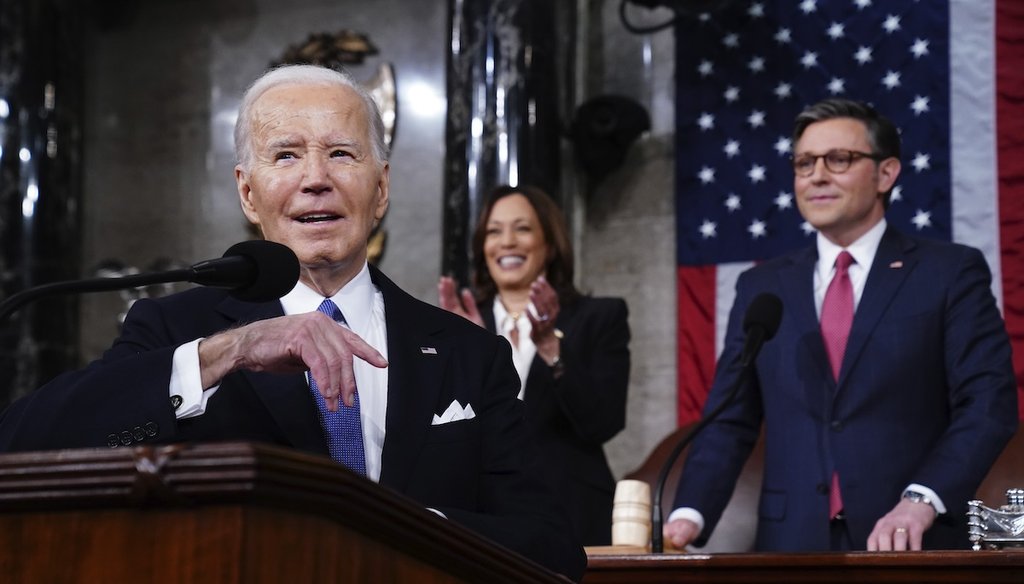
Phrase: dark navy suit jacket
pixel 474 470
pixel 926 394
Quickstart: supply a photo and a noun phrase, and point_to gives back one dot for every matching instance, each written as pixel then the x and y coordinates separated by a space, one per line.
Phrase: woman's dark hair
pixel 558 266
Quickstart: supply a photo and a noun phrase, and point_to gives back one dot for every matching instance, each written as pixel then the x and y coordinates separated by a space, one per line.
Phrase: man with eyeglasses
pixel 888 391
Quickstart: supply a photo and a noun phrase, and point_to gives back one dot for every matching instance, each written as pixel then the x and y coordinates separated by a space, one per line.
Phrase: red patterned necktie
pixel 836 318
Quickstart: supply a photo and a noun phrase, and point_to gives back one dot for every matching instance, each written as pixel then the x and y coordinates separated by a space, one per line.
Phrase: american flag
pixel 745 72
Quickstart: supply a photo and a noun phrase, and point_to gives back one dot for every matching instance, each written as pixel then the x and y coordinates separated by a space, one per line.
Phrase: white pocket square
pixel 454 413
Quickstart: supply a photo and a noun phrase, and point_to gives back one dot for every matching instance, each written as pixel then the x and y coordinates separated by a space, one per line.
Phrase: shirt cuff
pixel 688 513
pixel 186 387
pixel 936 501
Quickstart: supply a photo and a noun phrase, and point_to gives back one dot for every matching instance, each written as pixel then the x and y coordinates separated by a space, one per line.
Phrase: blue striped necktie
pixel 342 429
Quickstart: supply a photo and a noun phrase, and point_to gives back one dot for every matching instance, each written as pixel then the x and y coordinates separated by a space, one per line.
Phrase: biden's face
pixel 313 183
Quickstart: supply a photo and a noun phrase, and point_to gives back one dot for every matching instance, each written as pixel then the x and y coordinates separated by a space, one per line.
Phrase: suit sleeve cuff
pixel 688 513
pixel 936 501
pixel 186 387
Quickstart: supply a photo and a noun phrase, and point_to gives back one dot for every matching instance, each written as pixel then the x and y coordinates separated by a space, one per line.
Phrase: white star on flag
pixel 922 219
pixel 706 121
pixel 756 173
pixel 921 162
pixel 920 105
pixel 919 48
pixel 707 175
pixel 757 229
pixel 783 145
pixel 707 229
pixel 784 201
pixel 891 24
pixel 891 80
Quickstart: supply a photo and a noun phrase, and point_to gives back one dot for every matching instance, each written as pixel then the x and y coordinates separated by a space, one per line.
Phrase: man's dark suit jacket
pixel 472 470
pixel 573 416
pixel 926 394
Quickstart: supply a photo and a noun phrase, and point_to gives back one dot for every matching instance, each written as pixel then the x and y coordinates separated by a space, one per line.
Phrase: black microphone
pixel 255 271
pixel 760 324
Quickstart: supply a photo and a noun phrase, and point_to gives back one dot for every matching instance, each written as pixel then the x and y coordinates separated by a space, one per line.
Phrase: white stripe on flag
pixel 725 293
pixel 975 196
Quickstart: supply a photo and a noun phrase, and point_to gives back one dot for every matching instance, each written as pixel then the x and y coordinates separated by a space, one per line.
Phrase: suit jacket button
pixel 822 489
pixel 837 425
pixel 137 433
pixel 113 441
pixel 151 428
pixel 126 438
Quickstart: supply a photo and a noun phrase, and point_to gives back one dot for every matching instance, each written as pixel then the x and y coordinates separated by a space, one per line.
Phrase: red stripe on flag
pixel 1010 140
pixel 695 364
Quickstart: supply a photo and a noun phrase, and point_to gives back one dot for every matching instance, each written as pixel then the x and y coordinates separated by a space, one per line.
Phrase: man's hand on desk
pixel 902 528
pixel 680 533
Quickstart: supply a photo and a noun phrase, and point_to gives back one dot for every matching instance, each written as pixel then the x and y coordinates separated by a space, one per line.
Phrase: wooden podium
pixel 983 567
pixel 226 513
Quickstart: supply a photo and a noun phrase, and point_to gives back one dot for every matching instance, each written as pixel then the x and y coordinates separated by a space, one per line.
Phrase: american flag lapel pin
pixel 428 350
pixel 896 264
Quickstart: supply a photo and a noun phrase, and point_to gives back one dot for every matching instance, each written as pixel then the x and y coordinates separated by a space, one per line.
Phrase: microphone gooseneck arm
pixel 657 519
pixel 254 271
pixel 760 324
pixel 15 301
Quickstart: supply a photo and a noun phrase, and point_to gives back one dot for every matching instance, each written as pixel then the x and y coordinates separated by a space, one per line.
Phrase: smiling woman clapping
pixel 571 350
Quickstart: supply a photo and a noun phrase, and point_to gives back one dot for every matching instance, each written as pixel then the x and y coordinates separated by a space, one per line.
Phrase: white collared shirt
pixel 362 304
pixel 863 251
pixel 525 350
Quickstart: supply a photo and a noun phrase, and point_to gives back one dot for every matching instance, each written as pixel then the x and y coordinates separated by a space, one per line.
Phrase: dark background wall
pixel 160 82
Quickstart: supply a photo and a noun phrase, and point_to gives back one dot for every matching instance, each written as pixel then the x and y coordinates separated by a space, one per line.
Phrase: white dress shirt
pixel 523 351
pixel 362 304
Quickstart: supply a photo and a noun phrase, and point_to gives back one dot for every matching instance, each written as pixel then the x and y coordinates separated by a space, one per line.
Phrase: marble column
pixel 510 79
pixel 40 166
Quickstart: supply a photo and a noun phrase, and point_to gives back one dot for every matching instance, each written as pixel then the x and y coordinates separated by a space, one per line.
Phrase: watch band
pixel 557 366
pixel 917 497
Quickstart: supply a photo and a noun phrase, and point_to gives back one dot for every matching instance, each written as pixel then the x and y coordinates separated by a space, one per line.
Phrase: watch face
pixel 916 497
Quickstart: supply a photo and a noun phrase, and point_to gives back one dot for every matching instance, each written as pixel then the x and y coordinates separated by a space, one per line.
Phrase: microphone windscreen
pixel 277 270
pixel 765 312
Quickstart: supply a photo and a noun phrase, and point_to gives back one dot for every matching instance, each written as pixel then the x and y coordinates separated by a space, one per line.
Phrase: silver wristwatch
pixel 917 497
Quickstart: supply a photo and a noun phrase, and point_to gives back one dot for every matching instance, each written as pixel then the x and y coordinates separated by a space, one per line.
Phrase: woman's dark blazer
pixel 573 416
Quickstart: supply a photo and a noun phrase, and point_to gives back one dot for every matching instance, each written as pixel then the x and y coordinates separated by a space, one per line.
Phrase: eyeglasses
pixel 836 161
